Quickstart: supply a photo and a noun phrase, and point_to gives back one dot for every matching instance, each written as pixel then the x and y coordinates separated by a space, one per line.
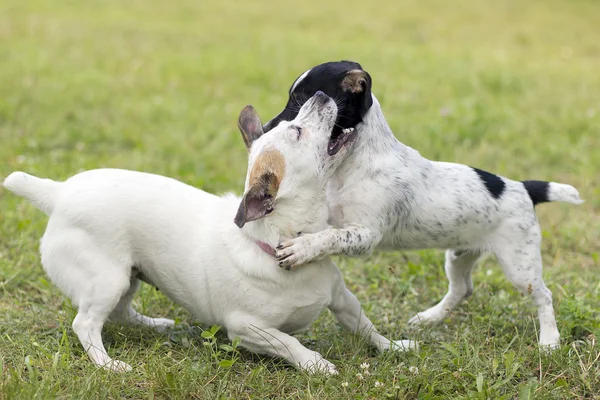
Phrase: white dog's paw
pixel 320 366
pixel 117 366
pixel 427 317
pixel 398 345
pixel 162 324
pixel 295 252
pixel 404 345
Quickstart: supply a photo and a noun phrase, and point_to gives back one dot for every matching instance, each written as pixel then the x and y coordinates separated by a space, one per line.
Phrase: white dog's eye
pixel 298 131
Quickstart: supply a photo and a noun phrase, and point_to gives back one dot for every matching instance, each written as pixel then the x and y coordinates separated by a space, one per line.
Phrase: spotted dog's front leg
pixel 352 241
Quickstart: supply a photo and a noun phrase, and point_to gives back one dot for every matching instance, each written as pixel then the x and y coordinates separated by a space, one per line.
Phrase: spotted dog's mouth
pixel 339 138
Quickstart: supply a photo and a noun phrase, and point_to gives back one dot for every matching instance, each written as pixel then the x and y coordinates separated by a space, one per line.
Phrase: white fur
pixel 386 195
pixel 108 228
pixel 564 193
pixel 297 81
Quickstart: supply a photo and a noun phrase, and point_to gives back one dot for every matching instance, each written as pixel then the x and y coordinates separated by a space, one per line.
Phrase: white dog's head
pixel 289 163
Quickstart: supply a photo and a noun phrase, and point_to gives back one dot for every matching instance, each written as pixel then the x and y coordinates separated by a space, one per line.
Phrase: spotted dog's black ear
pixel 250 126
pixel 359 82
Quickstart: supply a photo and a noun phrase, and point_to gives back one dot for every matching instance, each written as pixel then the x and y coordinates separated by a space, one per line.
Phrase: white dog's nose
pixel 321 98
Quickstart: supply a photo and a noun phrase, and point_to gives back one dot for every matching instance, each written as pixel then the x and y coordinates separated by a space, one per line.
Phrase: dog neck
pixel 375 140
pixel 305 213
pixel 375 133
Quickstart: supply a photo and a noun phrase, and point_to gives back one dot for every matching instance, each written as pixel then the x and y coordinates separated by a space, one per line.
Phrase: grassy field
pixel 511 87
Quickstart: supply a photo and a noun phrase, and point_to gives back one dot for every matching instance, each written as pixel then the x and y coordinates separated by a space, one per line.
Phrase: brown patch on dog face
pixel 270 162
pixel 265 177
pixel 355 81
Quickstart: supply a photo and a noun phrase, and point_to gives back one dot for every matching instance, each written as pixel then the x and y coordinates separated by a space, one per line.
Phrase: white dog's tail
pixel 42 193
pixel 543 192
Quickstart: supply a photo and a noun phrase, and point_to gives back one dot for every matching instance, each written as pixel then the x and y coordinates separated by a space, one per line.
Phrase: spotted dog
pixel 386 195
pixel 109 229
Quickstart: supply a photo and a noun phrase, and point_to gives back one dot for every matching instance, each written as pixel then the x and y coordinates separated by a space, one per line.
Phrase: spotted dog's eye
pixel 298 132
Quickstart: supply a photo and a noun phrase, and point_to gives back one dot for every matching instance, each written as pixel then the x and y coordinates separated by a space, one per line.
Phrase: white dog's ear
pixel 250 126
pixel 264 179
pixel 259 200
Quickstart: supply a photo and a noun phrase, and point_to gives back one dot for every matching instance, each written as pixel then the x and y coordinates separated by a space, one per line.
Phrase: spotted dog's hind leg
pixel 459 266
pixel 520 258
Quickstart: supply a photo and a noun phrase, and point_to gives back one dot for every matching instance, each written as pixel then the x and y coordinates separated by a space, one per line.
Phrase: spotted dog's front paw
pixel 295 252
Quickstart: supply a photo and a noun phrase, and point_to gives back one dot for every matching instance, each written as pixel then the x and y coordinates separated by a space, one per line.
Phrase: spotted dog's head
pixel 291 161
pixel 346 82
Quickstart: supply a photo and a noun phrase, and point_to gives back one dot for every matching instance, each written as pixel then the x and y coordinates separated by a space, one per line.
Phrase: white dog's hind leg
pixel 459 266
pixel 521 261
pixel 275 343
pixel 347 310
pixel 94 281
pixel 95 305
pixel 124 311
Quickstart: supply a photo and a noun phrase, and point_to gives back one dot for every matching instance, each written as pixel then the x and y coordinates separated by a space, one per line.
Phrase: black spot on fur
pixel 494 184
pixel 538 191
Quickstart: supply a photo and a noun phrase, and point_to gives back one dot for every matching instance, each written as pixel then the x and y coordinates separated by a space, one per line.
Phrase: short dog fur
pixel 109 229
pixel 386 195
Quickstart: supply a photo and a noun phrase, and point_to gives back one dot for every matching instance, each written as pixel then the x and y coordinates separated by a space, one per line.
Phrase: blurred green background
pixel 511 87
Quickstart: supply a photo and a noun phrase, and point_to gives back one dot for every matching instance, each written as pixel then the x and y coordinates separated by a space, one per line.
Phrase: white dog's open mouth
pixel 339 138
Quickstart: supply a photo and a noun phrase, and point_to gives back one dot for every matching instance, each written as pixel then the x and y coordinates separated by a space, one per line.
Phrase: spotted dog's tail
pixel 543 192
pixel 42 193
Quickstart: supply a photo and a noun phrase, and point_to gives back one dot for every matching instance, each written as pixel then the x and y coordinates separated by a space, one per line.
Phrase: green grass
pixel 511 87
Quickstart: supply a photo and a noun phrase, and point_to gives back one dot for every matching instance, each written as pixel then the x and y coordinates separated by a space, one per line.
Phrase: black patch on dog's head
pixel 494 184
pixel 344 81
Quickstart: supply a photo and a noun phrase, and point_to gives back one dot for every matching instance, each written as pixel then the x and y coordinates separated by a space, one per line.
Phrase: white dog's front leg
pixel 353 240
pixel 348 311
pixel 275 343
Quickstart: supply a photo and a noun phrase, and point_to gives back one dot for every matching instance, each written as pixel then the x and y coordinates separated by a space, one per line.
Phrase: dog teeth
pixel 347 130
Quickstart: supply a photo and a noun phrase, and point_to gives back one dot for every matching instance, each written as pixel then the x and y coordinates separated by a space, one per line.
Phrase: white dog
pixel 110 228
pixel 385 195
